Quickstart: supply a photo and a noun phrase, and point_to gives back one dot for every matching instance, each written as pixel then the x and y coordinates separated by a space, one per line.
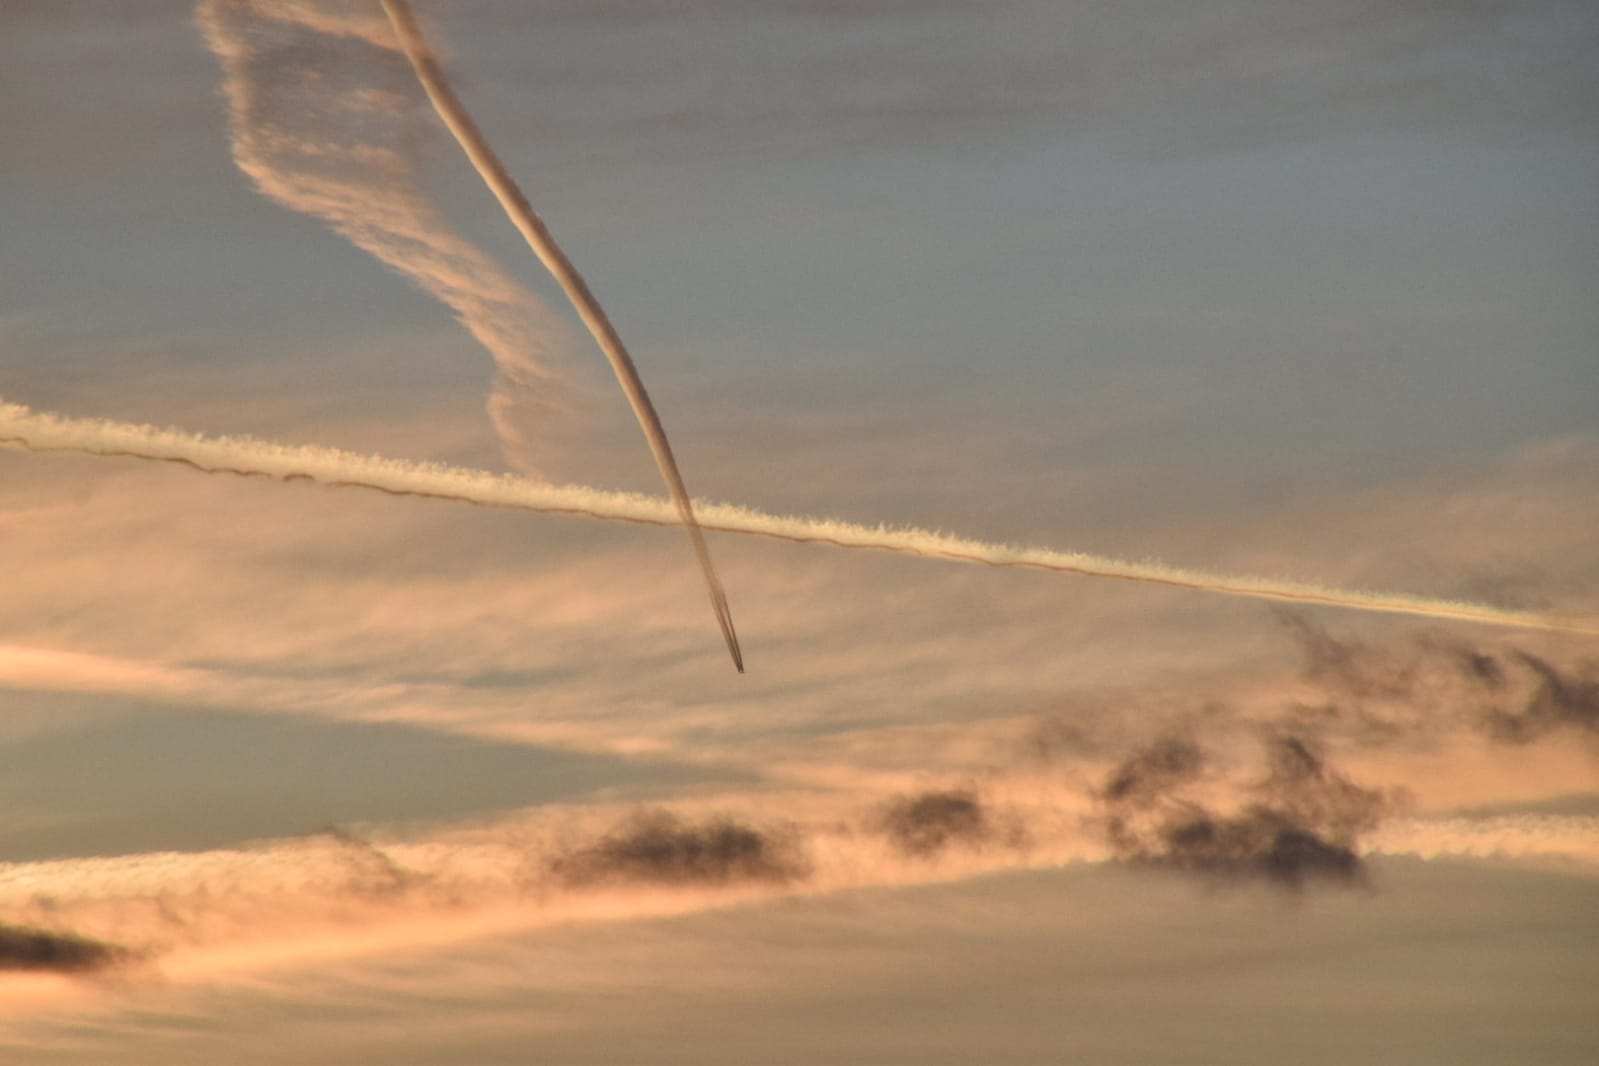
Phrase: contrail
pixel 527 221
pixel 324 121
pixel 247 457
pixel 210 913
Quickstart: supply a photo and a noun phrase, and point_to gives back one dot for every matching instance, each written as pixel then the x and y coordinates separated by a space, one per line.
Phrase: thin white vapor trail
pixel 247 457
pixel 531 226
pixel 1517 835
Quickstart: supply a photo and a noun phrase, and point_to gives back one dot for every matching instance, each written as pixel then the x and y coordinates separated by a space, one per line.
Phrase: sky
pixel 1300 291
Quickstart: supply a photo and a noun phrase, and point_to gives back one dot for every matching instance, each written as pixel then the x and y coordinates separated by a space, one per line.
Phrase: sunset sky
pixel 1300 290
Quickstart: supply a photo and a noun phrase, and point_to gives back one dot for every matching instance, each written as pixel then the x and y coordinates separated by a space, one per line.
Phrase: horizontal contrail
pixel 484 160
pixel 248 457
pixel 214 914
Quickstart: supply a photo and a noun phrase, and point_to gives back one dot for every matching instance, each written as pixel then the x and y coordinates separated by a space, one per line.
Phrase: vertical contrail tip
pixel 521 213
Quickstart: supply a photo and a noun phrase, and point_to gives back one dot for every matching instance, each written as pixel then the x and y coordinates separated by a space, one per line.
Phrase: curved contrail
pixel 527 221
pixel 247 457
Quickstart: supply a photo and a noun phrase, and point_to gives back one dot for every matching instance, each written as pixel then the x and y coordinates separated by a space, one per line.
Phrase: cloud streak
pixel 322 125
pixel 1225 795
pixel 532 228
pixel 51 951
pixel 303 901
pixel 246 457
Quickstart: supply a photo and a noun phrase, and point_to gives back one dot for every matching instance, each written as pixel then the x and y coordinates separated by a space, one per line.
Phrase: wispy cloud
pixel 225 914
pixel 247 458
pixel 325 122
pixel 1426 684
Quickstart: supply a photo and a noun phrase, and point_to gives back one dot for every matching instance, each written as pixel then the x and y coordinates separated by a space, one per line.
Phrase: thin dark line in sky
pixel 531 226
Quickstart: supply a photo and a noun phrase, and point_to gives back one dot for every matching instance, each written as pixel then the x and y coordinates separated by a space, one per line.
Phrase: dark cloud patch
pixel 1154 771
pixel 1305 790
pixel 50 951
pixel 927 823
pixel 1512 696
pixel 1485 669
pixel 1429 685
pixel 661 848
pixel 1347 667
pixel 1299 824
pixel 1171 803
pixel 1559 700
pixel 1259 843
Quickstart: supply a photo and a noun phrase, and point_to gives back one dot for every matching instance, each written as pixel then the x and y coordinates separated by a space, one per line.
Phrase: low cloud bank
pixel 1255 789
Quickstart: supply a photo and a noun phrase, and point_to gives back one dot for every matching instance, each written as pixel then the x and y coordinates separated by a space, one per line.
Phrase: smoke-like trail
pixel 302 902
pixel 532 228
pixel 247 457
pixel 324 121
